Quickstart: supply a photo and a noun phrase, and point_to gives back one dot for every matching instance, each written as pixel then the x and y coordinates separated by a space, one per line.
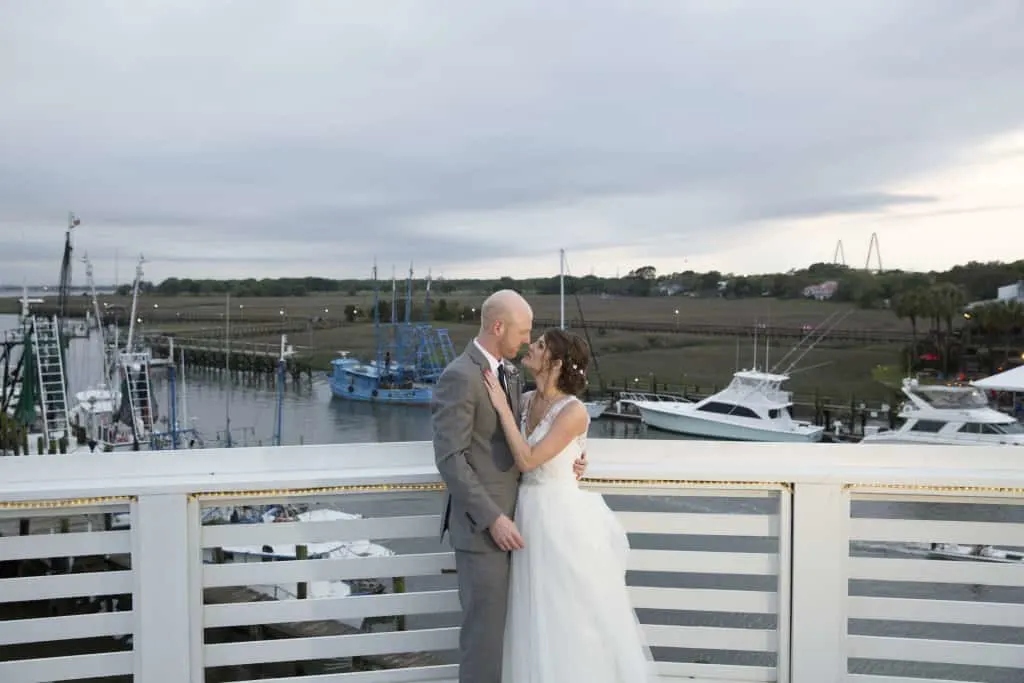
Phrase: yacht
pixel 949 415
pixel 753 407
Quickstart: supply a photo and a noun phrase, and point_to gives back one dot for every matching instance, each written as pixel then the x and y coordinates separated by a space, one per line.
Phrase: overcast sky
pixel 256 138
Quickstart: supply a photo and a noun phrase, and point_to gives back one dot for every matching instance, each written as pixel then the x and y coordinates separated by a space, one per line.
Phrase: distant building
pixel 1014 292
pixel 822 291
pixel 670 288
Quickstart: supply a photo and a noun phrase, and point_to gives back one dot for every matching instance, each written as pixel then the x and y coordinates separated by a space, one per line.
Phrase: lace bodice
pixel 558 468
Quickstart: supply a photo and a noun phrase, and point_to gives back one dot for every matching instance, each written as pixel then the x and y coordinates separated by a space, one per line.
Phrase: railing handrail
pixel 999 468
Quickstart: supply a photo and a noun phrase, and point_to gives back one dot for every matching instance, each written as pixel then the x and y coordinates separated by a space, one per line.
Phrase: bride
pixel 569 614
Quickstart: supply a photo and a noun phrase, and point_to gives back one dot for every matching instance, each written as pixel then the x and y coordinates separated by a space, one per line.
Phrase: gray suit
pixel 477 466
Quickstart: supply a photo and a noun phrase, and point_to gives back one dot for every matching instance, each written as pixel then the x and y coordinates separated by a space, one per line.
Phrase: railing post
pixel 821 550
pixel 167 608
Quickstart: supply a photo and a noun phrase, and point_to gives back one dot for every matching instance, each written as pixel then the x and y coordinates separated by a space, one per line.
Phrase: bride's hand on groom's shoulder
pixel 495 391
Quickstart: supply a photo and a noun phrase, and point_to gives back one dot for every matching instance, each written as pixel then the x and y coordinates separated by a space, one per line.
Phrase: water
pixel 309 413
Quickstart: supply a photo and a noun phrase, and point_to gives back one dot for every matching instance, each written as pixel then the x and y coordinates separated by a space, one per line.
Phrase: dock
pixel 246 358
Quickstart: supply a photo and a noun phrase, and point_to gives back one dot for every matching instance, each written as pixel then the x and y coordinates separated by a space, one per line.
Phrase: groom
pixel 478 468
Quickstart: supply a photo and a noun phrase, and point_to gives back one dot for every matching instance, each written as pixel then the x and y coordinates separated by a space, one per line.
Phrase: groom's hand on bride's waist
pixel 580 465
pixel 505 534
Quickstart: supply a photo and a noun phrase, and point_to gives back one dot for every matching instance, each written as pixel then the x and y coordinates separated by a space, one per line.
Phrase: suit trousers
pixel 483 591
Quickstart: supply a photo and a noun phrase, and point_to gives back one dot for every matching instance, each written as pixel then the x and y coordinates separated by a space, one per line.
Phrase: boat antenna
pixel 583 322
pixel 824 333
pixel 807 337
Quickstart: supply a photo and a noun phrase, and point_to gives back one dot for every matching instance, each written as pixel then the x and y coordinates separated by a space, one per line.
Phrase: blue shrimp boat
pixel 409 359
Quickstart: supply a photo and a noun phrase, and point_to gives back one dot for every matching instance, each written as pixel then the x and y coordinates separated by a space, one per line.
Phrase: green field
pixel 834 369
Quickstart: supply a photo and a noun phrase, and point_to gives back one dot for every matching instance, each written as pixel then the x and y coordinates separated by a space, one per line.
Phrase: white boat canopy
pixel 1010 380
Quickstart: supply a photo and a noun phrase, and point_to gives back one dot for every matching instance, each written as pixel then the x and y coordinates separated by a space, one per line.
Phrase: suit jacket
pixel 471 452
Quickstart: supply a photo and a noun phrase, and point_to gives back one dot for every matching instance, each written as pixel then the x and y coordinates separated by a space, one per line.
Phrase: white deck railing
pixel 749 563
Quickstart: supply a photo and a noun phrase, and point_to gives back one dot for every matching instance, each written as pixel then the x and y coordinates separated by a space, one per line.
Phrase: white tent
pixel 1011 380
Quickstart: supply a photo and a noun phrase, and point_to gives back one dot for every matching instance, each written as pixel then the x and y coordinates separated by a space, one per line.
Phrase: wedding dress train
pixel 569 614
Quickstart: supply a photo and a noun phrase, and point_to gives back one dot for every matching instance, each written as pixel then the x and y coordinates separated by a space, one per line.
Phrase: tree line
pixel 977 281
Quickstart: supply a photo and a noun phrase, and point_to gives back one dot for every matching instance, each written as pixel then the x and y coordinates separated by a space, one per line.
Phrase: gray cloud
pixel 305 138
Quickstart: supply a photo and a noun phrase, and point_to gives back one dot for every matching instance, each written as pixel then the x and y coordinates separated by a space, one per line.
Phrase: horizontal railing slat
pixel 967 653
pixel 698 524
pixel 331 647
pixel 687 561
pixel 262 573
pixel 704 600
pixel 934 571
pixel 667 493
pixel 442 673
pixel 65 586
pixel 374 528
pixel 936 531
pixel 46 629
pixel 350 607
pixel 711 638
pixel 74 544
pixel 937 611
pixel 725 673
pixel 71 668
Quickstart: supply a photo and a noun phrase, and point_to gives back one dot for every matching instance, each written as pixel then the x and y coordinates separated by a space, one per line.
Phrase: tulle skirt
pixel 569 615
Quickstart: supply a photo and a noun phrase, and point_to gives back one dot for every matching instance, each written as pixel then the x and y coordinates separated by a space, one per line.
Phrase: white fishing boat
pixel 753 407
pixel 949 415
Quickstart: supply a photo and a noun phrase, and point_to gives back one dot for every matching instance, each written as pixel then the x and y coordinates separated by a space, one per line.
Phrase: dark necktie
pixel 503 378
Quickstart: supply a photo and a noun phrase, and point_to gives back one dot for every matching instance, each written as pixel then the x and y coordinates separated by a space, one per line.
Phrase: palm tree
pixel 946 302
pixel 910 305
pixel 999 320
pixel 1012 316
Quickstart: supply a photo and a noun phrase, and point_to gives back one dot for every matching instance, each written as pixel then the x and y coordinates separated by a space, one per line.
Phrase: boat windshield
pixel 769 389
pixel 961 398
pixel 992 428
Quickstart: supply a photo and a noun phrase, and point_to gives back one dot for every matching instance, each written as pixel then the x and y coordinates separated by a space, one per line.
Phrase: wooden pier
pixel 253 358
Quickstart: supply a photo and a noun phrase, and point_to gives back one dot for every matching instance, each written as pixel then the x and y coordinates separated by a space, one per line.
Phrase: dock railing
pixel 749 562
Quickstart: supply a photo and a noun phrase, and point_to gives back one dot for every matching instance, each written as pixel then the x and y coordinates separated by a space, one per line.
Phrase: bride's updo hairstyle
pixel 574 354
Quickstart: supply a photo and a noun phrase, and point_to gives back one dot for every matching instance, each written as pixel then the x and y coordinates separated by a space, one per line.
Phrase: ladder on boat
pixel 53 392
pixel 136 379
pixel 434 351
pixel 447 347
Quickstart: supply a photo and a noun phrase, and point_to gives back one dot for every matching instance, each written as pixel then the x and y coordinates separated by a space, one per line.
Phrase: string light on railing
pixel 1006 490
pixel 384 488
pixel 66 503
pixel 320 490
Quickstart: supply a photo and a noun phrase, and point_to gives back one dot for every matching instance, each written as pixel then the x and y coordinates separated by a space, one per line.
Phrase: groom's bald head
pixel 506 320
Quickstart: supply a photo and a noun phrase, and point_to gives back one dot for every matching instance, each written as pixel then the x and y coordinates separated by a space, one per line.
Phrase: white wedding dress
pixel 569 615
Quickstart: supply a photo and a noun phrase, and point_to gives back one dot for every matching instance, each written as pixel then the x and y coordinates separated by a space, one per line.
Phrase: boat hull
pixel 355 391
pixel 694 425
pixel 897 437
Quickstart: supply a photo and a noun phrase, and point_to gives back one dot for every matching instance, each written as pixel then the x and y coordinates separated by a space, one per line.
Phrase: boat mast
pixel 227 366
pixel 280 392
pixel 96 311
pixel 135 304
pixel 427 312
pixel 376 314
pixel 64 293
pixel 561 289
